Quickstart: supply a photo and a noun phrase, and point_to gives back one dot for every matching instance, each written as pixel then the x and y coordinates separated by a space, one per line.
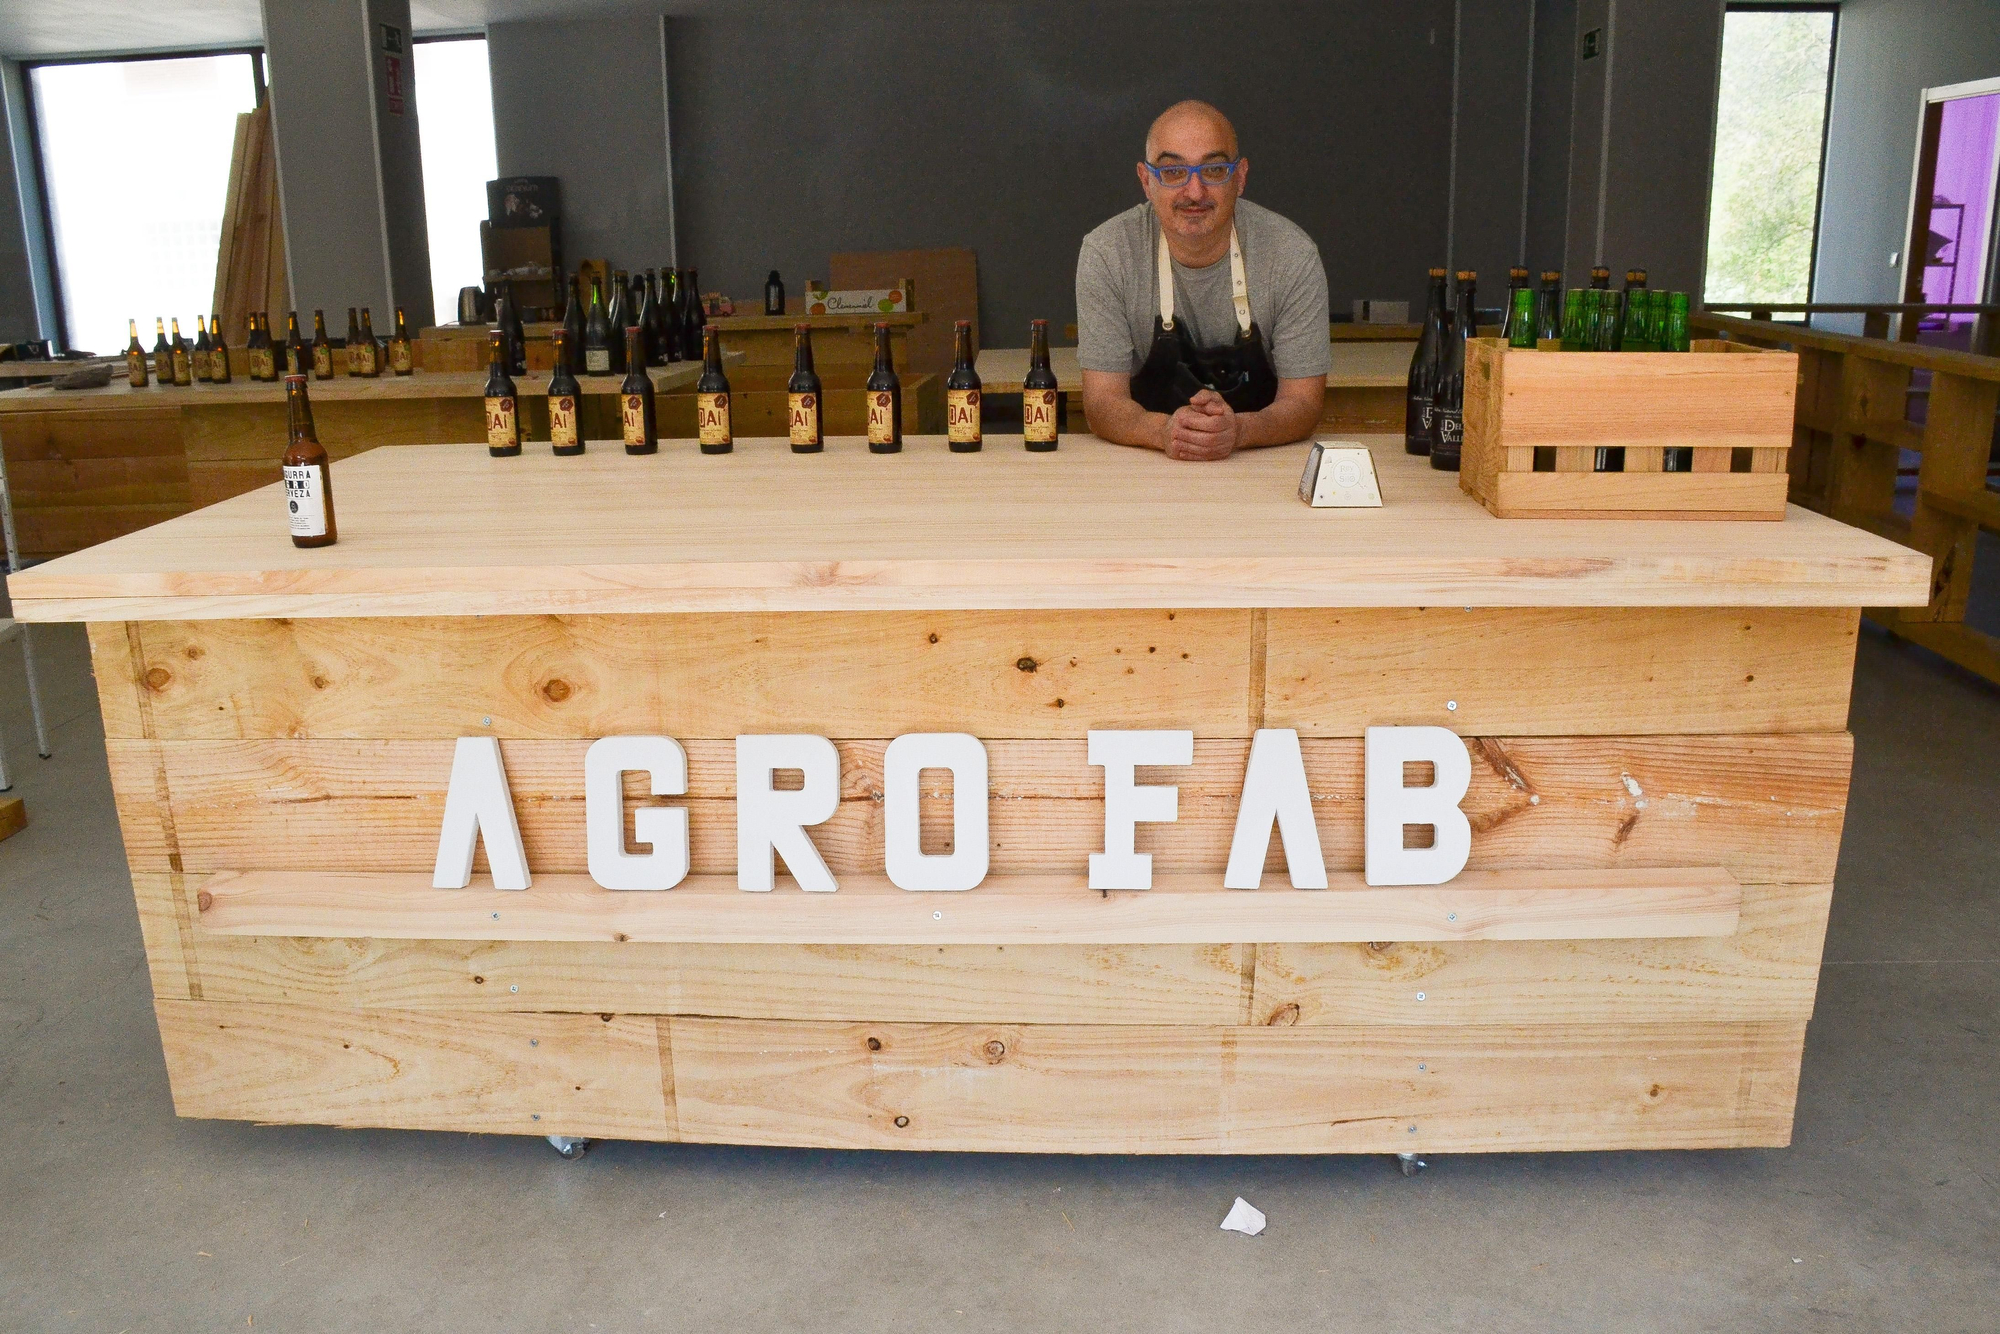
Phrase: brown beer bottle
pixel 137 371
pixel 402 359
pixel 163 354
pixel 257 346
pixel 353 341
pixel 711 396
pixel 1040 424
pixel 564 394
pixel 322 348
pixel 884 391
pixel 803 395
pixel 371 346
pixel 636 409
pixel 961 394
pixel 218 351
pixel 202 349
pixel 183 364
pixel 308 482
pixel 503 416
pixel 296 356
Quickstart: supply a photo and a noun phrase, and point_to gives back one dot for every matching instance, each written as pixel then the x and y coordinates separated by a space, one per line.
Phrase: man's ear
pixel 1242 176
pixel 1140 169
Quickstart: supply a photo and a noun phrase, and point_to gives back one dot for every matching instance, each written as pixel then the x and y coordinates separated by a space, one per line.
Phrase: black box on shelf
pixel 524 201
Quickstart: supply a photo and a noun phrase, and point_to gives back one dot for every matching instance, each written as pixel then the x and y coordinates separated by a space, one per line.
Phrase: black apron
pixel 1176 370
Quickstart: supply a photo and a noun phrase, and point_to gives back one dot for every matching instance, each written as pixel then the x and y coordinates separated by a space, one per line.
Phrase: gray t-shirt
pixel 1117 293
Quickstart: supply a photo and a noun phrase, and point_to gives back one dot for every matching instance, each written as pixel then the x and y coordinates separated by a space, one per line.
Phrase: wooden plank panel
pixel 97 481
pixel 1764 808
pixel 869 674
pixel 166 926
pixel 1005 910
pixel 58 529
pixel 113 662
pixel 1300 1090
pixel 1768 971
pixel 142 431
pixel 1639 495
pixel 522 1074
pixel 1541 671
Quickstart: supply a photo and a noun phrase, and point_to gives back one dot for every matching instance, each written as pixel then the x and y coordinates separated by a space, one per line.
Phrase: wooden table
pixel 1656 715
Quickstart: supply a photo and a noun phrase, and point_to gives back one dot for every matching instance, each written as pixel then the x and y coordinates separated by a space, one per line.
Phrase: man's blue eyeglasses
pixel 1174 175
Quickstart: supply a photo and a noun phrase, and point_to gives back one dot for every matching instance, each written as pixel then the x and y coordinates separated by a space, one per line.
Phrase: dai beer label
pixel 399 357
pixel 961 416
pixel 305 499
pixel 322 360
pixel 135 368
pixel 712 418
pixel 163 365
pixel 180 367
pixel 881 418
pixel 1038 416
pixel 634 412
pixel 562 421
pixel 262 365
pixel 502 426
pixel 805 419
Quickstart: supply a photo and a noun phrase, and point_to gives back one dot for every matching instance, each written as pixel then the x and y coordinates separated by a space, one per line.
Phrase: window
pixel 1770 136
pixel 455 128
pixel 135 172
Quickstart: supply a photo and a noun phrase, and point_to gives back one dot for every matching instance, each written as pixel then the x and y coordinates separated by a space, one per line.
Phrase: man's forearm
pixel 1285 421
pixel 1124 422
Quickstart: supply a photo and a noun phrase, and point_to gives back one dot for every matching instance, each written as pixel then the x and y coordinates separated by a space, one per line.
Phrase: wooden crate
pixel 1534 422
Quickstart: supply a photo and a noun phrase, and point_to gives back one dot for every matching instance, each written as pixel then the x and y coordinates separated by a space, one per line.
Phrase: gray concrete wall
pixel 1887 52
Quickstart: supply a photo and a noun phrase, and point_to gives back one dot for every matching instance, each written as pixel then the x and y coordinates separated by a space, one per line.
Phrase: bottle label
pixel 597 361
pixel 712 418
pixel 370 363
pixel 219 365
pixel 305 499
pixel 881 418
pixel 961 416
pixel 135 369
pixel 562 420
pixel 1038 416
pixel 503 429
pixel 163 366
pixel 633 410
pixel 804 411
pixel 1450 428
pixel 354 358
pixel 180 367
pixel 322 361
pixel 262 367
pixel 399 358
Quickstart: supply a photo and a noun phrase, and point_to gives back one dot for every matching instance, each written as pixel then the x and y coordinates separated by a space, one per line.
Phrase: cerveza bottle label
pixel 305 499
pixel 881 418
pixel 502 428
pixel 961 416
pixel 804 414
pixel 712 418
pixel 597 361
pixel 1038 416
pixel 633 410
pixel 562 420
pixel 322 360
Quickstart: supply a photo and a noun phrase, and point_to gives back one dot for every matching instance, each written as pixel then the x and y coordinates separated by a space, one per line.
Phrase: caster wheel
pixel 569 1146
pixel 1410 1164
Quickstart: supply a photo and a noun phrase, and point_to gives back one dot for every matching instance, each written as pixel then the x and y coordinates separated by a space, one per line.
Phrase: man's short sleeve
pixel 1103 329
pixel 1299 341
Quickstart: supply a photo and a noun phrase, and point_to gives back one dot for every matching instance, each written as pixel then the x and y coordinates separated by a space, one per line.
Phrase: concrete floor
pixel 1883 1215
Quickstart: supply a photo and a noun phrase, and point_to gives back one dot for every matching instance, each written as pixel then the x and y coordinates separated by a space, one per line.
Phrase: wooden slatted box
pixel 1535 421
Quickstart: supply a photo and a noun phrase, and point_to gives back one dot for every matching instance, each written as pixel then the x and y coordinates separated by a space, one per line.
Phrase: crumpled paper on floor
pixel 1244 1217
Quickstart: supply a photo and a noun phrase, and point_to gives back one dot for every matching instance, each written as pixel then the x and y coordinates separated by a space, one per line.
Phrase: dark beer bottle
pixel 402 358
pixel 503 415
pixel 671 344
pixel 803 395
pixel 961 394
pixel 884 392
pixel 694 318
pixel 203 369
pixel 296 355
pixel 508 317
pixel 596 334
pixel 163 354
pixel 1041 421
pixel 774 294
pixel 353 345
pixel 137 372
pixel 322 348
pixel 273 350
pixel 564 395
pixel 308 480
pixel 649 318
pixel 617 314
pixel 711 396
pixel 1424 369
pixel 253 342
pixel 1448 410
pixel 218 351
pixel 371 346
pixel 572 328
pixel 636 412
pixel 183 364
pixel 1548 315
pixel 1517 282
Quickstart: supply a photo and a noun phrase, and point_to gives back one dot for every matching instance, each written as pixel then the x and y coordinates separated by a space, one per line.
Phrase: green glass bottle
pixel 1572 319
pixel 1675 338
pixel 1521 324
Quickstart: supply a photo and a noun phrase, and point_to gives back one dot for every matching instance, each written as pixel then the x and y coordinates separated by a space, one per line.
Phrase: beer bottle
pixel 296 356
pixel 1572 319
pixel 884 391
pixel 1448 410
pixel 636 411
pixel 1041 426
pixel 669 317
pixel 1656 321
pixel 1521 319
pixel 202 348
pixel 572 328
pixel 183 365
pixel 353 342
pixel 1609 317
pixel 649 317
pixel 1600 278
pixel 503 416
pixel 1677 322
pixel 774 294
pixel 961 394
pixel 802 395
pixel 1549 312
pixel 250 345
pixel 711 396
pixel 137 372
pixel 508 316
pixel 402 358
pixel 1424 369
pixel 617 315
pixel 218 351
pixel 596 334
pixel 694 319
pixel 308 481
pixel 163 354
pixel 322 348
pixel 1517 282
pixel 371 346
pixel 1632 325
pixel 564 395
pixel 268 364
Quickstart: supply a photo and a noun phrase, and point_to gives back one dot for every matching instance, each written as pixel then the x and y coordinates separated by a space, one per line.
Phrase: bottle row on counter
pixel 175 361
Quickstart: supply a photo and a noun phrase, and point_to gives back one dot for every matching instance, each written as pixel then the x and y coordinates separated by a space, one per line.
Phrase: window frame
pixel 32 106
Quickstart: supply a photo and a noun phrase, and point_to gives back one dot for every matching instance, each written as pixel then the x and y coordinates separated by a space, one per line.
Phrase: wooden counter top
pixel 447 530
pixel 1356 365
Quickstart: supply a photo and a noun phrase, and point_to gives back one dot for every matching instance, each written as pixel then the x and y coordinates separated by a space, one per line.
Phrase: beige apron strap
pixel 1239 287
pixel 1166 279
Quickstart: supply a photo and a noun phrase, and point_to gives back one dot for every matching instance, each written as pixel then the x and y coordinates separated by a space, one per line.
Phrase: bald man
pixel 1201 316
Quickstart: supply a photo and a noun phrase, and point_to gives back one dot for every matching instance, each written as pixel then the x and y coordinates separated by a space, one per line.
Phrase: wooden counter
pixel 1655 712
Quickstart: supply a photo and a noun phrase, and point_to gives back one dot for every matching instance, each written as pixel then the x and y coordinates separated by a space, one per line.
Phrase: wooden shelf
pixel 1007 910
